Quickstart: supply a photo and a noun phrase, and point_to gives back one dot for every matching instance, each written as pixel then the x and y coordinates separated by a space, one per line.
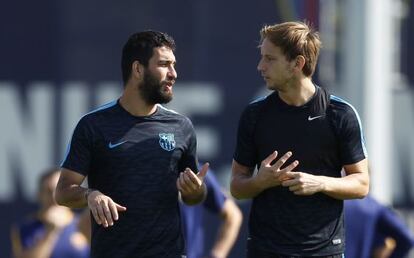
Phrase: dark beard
pixel 151 90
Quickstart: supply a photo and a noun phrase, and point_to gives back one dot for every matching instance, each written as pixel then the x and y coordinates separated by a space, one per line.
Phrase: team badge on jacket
pixel 167 141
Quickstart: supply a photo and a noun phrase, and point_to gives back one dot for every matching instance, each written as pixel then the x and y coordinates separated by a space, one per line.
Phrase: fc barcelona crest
pixel 167 141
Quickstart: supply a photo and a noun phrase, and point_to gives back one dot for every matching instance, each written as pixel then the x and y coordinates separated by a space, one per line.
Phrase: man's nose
pixel 260 67
pixel 172 73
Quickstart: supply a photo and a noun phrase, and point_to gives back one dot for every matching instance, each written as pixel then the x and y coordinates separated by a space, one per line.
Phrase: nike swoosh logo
pixel 111 146
pixel 310 118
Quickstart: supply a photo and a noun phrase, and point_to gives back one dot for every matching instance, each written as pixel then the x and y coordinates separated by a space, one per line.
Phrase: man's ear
pixel 137 69
pixel 300 62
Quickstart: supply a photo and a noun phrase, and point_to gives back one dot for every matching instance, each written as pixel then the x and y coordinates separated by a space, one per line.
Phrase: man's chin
pixel 166 98
pixel 270 87
pixel 159 100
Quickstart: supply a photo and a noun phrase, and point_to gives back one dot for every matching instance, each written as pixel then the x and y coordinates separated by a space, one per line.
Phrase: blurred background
pixel 61 59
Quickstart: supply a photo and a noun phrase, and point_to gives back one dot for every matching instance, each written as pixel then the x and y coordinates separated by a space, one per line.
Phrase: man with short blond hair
pixel 300 138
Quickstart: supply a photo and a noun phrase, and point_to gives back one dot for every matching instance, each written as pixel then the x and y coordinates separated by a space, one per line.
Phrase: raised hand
pixel 272 175
pixel 191 185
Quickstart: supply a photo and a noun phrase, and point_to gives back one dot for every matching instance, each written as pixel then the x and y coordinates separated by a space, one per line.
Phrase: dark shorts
pixel 264 254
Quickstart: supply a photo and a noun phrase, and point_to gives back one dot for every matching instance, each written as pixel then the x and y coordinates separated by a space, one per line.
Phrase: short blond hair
pixel 294 39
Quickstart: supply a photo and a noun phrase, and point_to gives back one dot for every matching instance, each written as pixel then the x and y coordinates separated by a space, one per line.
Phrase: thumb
pixel 203 171
pixel 120 207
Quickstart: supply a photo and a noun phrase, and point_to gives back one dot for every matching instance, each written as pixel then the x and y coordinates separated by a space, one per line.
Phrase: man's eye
pixel 166 64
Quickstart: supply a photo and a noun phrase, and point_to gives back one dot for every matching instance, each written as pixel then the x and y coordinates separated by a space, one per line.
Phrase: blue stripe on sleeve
pixel 105 106
pixel 359 122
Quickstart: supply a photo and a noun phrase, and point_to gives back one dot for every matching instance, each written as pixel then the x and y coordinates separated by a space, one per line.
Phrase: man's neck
pixel 132 102
pixel 299 93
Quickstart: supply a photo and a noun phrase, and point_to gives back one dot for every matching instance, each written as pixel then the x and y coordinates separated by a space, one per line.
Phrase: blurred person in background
pixel 375 231
pixel 297 208
pixel 54 231
pixel 138 157
pixel 220 204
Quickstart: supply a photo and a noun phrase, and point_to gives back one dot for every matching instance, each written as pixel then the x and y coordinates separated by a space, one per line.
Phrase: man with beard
pixel 138 157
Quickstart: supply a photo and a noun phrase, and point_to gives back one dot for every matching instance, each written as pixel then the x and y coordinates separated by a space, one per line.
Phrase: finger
pixel 289 182
pixel 108 214
pixel 189 175
pixel 178 184
pixel 114 210
pixel 196 180
pixel 288 175
pixel 95 216
pixel 101 215
pixel 191 180
pixel 183 186
pixel 203 172
pixel 193 176
pixel 300 192
pixel 291 166
pixel 269 159
pixel 295 188
pixel 120 207
pixel 282 160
